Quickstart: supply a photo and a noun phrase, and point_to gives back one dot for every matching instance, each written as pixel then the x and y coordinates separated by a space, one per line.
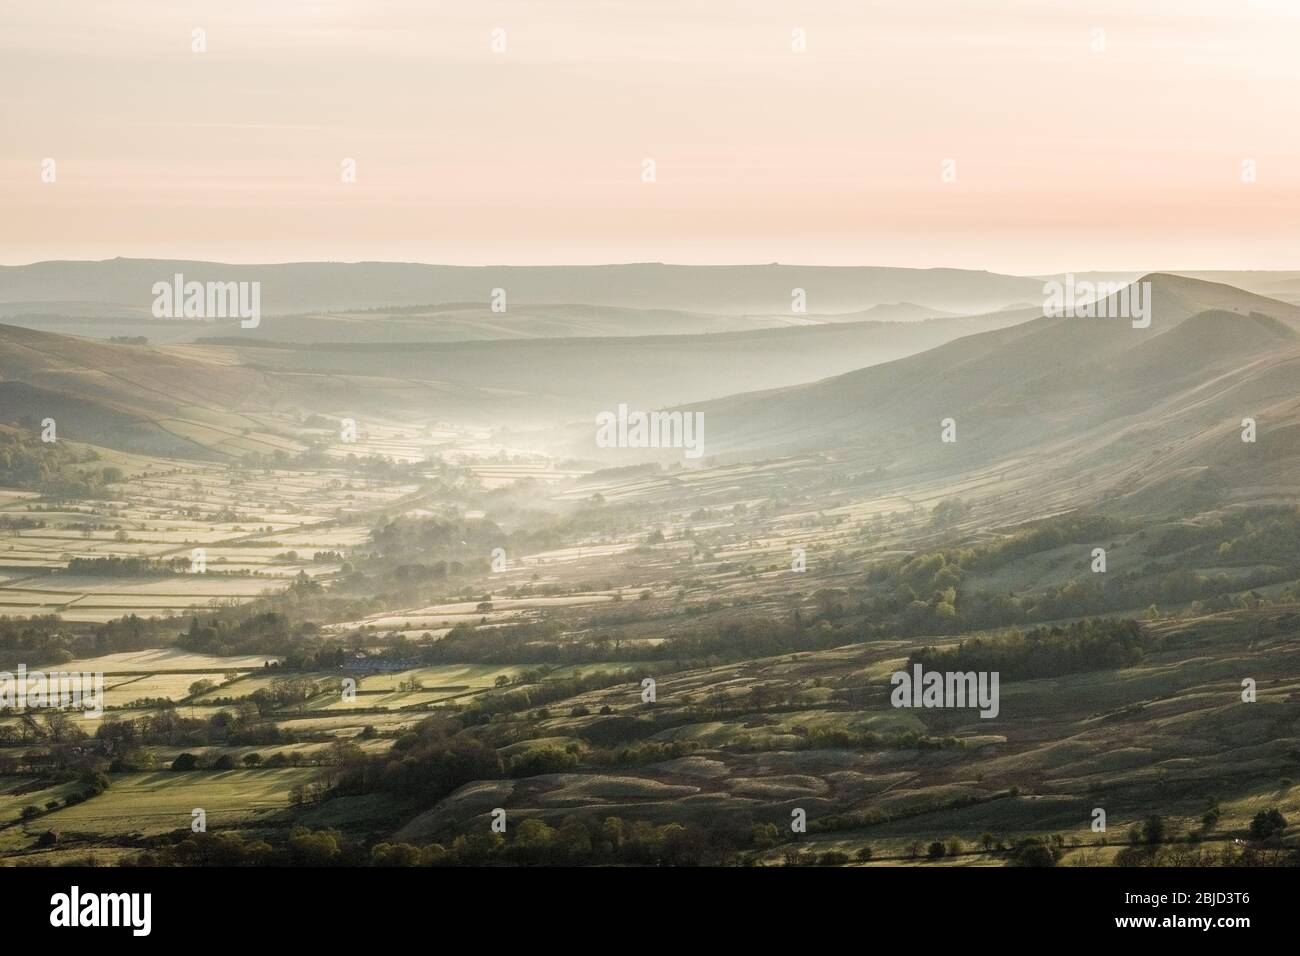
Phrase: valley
pixel 356 603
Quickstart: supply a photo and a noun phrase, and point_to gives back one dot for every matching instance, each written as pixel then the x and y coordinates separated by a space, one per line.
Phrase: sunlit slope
pixel 1012 388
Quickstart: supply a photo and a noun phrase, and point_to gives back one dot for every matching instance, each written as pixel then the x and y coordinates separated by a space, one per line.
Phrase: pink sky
pixel 1066 158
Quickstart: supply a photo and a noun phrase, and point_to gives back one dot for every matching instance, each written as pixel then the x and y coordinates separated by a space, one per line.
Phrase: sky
pixel 1019 136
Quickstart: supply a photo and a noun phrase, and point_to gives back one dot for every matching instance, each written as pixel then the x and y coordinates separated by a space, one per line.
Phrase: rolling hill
pixel 1016 386
pixel 318 286
pixel 1076 408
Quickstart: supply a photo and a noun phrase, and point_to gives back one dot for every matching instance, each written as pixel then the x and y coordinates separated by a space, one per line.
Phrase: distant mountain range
pixel 122 286
pixel 1075 407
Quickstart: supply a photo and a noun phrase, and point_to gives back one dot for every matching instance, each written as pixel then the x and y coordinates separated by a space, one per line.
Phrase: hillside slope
pixel 1012 388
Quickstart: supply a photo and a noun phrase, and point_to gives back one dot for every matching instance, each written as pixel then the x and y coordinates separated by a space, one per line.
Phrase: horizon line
pixel 629 263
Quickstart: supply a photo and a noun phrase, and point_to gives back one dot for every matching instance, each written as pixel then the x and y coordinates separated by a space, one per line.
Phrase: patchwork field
pixel 255 530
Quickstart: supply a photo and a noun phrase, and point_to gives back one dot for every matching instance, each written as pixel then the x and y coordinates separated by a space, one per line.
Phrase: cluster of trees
pixel 242 725
pixel 288 691
pixel 1046 535
pixel 1088 645
pixel 302 847
pixel 122 567
pixel 1261 534
pixel 91 784
pixel 20 523
pixel 539 760
pixel 641 753
pixel 426 764
pixel 525 697
pixel 54 745
pixel 264 632
pixel 543 643
pixel 1029 851
pixel 43 640
pixel 926 593
pixel 414 575
pixel 927 597
pixel 527 643
pixel 577 840
pixel 451 537
pixel 1152 842
pixel 27 462
pixel 1203 855
pixel 187 761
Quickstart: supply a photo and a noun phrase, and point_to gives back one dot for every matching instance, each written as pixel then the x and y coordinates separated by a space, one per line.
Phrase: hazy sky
pixel 1066 157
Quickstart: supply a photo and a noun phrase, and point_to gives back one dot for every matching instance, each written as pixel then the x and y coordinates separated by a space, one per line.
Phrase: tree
pixel 185 761
pixel 573 839
pixel 1267 823
pixel 395 854
pixel 935 850
pixel 948 512
pixel 314 849
pixel 1154 830
pixel 95 781
pixel 765 836
pixel 1032 852
pixel 613 832
pixel 683 846
pixel 534 834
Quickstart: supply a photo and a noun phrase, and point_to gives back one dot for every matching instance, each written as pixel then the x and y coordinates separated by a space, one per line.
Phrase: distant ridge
pixel 1014 388
pixel 739 289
